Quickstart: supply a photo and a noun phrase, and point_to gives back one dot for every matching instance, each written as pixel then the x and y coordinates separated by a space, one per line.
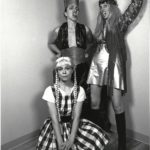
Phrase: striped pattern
pixel 66 102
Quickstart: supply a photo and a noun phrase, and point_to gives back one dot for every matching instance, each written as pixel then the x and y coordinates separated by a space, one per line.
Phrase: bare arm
pixel 55 123
pixel 75 124
pixel 76 115
pixel 76 118
pixel 51 42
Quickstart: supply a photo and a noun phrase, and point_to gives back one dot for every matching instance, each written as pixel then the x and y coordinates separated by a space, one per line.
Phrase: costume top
pixel 66 101
pixel 62 38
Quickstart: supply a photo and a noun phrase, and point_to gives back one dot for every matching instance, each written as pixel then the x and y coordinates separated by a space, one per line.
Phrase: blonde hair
pixel 63 60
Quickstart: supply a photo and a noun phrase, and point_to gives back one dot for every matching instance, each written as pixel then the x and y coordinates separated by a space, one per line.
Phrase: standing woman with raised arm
pixel 108 66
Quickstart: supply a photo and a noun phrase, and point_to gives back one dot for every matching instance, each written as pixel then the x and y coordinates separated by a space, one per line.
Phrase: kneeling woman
pixel 64 129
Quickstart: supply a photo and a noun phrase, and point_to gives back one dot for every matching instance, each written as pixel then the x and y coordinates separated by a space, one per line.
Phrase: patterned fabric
pixel 130 14
pixel 89 136
pixel 62 38
pixel 66 102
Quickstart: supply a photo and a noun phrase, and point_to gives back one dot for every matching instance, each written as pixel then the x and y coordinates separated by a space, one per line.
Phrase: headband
pixel 63 60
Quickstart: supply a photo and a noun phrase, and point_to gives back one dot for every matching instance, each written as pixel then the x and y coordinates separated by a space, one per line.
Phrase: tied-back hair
pixel 111 22
pixel 56 86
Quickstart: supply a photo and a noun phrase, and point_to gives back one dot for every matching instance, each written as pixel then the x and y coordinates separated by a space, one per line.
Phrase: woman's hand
pixel 61 146
pixel 69 143
pixel 58 55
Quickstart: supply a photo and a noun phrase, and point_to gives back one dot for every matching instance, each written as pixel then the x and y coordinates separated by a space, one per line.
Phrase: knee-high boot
pixel 121 129
pixel 94 116
pixel 99 119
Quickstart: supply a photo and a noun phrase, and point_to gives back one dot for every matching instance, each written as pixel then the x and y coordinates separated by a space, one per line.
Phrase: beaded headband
pixel 63 61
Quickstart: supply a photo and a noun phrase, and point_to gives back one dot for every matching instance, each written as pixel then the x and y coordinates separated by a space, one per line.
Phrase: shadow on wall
pixel 40 106
pixel 129 103
pixel 83 13
pixel 60 15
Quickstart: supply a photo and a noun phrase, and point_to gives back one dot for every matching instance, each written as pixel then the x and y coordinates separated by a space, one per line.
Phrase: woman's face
pixel 105 10
pixel 65 72
pixel 72 12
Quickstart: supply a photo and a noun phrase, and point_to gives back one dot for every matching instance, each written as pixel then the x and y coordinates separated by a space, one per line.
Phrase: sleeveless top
pixel 62 38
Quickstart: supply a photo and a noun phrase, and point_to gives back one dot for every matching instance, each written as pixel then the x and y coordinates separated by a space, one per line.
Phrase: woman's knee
pixel 117 102
pixel 95 100
pixel 118 109
pixel 95 104
pixel 95 96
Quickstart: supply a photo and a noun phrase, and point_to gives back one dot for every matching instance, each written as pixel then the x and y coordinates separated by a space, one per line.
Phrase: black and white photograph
pixel 75 74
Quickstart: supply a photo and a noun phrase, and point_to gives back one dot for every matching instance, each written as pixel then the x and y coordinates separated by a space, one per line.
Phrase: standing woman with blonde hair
pixel 108 66
pixel 64 130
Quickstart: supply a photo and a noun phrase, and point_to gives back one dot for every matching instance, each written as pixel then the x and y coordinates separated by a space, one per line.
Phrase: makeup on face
pixel 72 12
pixel 105 10
pixel 65 72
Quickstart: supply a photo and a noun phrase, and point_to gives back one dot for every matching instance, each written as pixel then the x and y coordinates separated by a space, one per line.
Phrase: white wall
pixel 27 64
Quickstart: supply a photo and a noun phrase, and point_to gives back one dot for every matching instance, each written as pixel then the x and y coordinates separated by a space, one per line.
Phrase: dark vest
pixel 62 38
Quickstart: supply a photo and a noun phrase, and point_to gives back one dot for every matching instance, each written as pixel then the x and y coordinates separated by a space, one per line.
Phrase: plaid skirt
pixel 89 136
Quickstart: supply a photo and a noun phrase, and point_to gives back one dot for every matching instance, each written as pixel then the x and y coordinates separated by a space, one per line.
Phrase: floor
pixel 131 144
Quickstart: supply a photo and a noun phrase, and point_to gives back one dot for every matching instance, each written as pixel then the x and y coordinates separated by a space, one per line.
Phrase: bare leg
pixel 117 102
pixel 95 96
pixel 95 104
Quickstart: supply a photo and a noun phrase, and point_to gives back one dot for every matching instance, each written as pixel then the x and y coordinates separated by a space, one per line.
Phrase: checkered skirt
pixel 89 136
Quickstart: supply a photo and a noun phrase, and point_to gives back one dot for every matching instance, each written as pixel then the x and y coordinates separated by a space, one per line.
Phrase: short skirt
pixel 98 73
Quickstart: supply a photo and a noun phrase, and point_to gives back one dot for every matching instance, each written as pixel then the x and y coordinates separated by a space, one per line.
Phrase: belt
pixel 75 53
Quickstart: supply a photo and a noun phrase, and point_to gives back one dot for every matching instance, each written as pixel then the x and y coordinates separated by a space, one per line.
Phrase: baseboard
pixel 138 136
pixel 20 141
pixel 29 137
pixel 135 135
